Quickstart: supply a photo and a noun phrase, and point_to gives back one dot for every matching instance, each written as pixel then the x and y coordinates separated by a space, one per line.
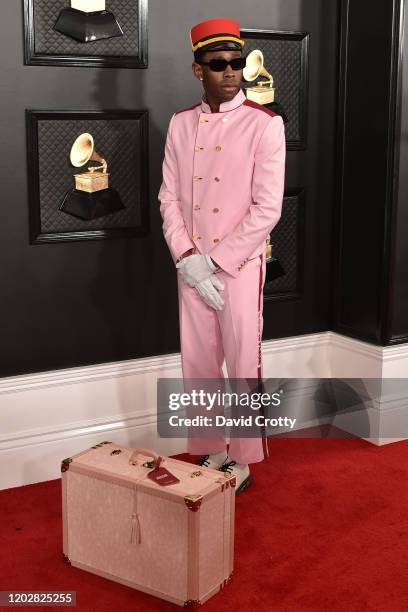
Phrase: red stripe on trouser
pixel 260 384
pixel 259 321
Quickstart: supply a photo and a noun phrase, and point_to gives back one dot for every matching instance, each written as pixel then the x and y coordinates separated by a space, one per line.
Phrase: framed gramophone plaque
pixel 287 242
pixel 286 60
pixel 103 33
pixel 88 174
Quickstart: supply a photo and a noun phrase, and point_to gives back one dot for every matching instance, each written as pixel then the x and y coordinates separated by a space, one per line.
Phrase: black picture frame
pixel 37 233
pixel 299 63
pixel 34 57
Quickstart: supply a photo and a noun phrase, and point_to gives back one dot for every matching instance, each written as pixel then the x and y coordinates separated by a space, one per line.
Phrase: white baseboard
pixel 48 416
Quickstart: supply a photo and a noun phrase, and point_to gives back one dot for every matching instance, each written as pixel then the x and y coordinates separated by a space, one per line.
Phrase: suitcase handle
pixel 149 453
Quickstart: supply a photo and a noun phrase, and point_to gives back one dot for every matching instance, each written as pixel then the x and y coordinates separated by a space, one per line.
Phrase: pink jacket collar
pixel 225 106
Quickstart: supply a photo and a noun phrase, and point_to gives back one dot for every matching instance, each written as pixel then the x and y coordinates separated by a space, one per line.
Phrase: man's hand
pixel 209 294
pixel 195 268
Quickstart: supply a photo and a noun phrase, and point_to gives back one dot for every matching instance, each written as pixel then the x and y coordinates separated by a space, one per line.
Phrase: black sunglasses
pixel 219 65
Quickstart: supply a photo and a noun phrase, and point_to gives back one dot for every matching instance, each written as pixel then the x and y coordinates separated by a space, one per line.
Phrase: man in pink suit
pixel 221 195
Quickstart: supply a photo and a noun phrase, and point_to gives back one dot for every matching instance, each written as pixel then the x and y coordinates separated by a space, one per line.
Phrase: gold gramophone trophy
pixel 268 253
pixel 92 196
pixel 87 21
pixel 274 267
pixel 262 92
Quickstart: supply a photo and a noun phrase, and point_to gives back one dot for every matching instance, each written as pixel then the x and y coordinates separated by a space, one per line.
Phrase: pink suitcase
pixel 174 541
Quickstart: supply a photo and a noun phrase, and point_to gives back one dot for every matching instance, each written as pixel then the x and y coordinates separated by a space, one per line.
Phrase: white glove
pixel 195 268
pixel 208 292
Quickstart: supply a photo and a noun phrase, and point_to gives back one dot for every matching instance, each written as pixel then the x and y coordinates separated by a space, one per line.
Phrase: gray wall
pixel 87 302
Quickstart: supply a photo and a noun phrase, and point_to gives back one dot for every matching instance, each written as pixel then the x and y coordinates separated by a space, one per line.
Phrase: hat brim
pixel 226 45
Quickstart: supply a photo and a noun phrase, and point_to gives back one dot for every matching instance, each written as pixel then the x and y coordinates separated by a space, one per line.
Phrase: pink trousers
pixel 209 336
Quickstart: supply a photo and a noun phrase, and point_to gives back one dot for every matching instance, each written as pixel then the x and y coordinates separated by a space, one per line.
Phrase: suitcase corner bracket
pixel 193 503
pixel 65 464
pixel 66 559
pixel 192 604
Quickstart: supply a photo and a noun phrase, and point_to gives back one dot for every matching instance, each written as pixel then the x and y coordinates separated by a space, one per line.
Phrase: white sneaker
pixel 240 471
pixel 213 461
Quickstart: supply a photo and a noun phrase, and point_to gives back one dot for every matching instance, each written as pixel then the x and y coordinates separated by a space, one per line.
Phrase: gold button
pixel 216 240
pixel 196 237
pixel 202 120
pixel 224 119
pixel 217 178
pixel 196 207
pixel 215 210
pixel 198 148
pixel 218 148
pixel 196 178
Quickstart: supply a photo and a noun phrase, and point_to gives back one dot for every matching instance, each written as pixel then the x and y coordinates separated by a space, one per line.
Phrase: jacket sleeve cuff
pixel 213 267
pixel 182 247
pixel 222 260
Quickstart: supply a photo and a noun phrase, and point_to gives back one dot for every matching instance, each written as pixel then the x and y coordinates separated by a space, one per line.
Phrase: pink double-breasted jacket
pixel 223 180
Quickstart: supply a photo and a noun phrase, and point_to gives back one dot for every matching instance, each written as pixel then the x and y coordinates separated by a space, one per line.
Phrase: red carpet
pixel 323 527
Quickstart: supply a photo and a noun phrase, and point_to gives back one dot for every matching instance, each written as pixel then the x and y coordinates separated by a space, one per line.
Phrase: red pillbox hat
pixel 225 32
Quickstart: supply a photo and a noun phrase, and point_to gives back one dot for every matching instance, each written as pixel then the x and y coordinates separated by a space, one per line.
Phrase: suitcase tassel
pixel 136 530
pixel 136 534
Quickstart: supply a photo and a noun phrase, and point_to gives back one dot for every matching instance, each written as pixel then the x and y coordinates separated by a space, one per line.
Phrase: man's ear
pixel 197 70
